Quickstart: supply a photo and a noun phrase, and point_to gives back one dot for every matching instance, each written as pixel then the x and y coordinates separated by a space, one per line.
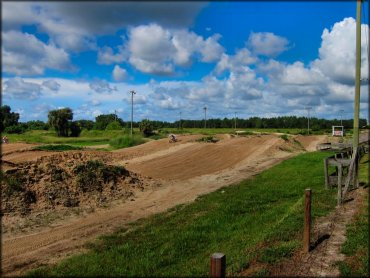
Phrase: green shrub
pixel 208 139
pixel 13 183
pixel 284 137
pixel 146 128
pixel 126 141
pixel 57 148
pixel 92 175
pixel 114 126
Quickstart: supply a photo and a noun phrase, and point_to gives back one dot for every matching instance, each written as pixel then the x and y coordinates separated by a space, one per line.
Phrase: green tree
pixel 75 129
pixel 60 119
pixel 7 118
pixel 146 127
pixel 102 121
pixel 113 126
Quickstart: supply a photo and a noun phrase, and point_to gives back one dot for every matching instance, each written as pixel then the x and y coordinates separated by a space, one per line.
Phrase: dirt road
pixel 183 171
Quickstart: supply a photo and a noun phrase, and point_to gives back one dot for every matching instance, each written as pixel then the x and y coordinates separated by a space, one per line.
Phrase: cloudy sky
pixel 262 59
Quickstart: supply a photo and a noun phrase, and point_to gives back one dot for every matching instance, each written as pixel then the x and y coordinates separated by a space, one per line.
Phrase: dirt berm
pixel 143 180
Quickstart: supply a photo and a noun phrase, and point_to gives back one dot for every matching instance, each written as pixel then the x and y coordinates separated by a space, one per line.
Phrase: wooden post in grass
pixel 307 220
pixel 339 195
pixel 218 265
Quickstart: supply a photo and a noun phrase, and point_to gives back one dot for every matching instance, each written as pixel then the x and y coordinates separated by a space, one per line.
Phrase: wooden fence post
pixel 340 174
pixel 326 172
pixel 307 221
pixel 218 265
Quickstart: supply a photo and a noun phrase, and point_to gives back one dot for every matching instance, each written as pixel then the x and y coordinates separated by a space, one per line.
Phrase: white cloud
pixel 267 44
pixel 242 58
pixel 74 30
pixel 18 88
pixel 337 52
pixel 106 56
pixel 101 86
pixel 24 54
pixel 154 49
pixel 51 85
pixel 119 74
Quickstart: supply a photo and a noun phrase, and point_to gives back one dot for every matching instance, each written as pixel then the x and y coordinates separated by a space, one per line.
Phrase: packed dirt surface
pixel 157 176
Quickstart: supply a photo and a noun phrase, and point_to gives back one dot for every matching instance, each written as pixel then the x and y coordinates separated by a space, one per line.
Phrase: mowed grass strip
pixel 356 247
pixel 260 217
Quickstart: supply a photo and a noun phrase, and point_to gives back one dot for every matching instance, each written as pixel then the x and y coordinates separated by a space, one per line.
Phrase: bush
pixel 126 141
pixel 114 126
pixel 56 148
pixel 15 129
pixel 146 128
pixel 75 129
pixel 284 137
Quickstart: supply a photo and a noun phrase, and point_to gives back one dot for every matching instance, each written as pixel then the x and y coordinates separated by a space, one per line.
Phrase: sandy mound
pixel 73 179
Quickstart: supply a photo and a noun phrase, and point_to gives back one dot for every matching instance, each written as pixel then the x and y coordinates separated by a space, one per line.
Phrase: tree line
pixel 61 120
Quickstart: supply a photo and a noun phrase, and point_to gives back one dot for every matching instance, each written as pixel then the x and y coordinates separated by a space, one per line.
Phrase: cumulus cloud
pixel 106 55
pixel 51 85
pixel 24 54
pixel 20 89
pixel 267 44
pixel 242 58
pixel 101 86
pixel 119 74
pixel 74 30
pixel 337 52
pixel 154 49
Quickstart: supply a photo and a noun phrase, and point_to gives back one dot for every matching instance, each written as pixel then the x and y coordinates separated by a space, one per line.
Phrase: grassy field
pixel 356 247
pixel 258 220
pixel 101 137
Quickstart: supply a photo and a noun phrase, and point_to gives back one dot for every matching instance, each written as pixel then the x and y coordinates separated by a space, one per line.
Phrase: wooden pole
pixel 307 221
pixel 218 265
pixel 326 173
pixel 357 77
pixel 340 173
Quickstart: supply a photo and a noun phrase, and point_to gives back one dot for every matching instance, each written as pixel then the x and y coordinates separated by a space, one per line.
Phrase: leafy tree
pixel 146 127
pixel 113 126
pixel 102 121
pixel 75 129
pixel 7 118
pixel 18 129
pixel 60 119
pixel 85 124
pixel 37 125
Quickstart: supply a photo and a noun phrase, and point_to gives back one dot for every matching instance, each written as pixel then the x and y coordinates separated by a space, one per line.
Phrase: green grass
pixel 88 138
pixel 356 247
pixel 260 218
pixel 56 148
pixel 126 141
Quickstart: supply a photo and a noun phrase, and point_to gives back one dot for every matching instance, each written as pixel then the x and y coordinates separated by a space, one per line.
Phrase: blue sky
pixel 262 59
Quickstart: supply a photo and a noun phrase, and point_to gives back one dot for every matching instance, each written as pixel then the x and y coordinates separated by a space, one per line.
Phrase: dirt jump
pixel 60 219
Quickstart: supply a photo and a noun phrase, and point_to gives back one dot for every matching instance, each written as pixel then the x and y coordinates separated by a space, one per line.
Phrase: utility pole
pixel 205 116
pixel 132 107
pixel 115 113
pixel 235 121
pixel 180 121
pixel 341 117
pixel 357 78
pixel 308 124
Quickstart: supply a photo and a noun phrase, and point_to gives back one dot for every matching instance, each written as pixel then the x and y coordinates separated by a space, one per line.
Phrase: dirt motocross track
pixel 168 173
